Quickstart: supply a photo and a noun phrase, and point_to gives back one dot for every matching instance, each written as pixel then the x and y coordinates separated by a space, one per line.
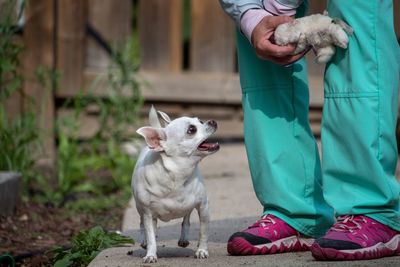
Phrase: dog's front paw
pixel 183 243
pixel 201 254
pixel 150 259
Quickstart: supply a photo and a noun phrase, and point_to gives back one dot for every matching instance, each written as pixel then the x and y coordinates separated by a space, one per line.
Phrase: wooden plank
pixel 315 115
pixel 160 29
pixel 13 105
pixel 202 111
pixel 176 87
pixel 112 20
pixel 316 6
pixel 230 125
pixel 89 124
pixel 71 46
pixel 212 42
pixel 315 70
pixel 315 81
pixel 192 87
pixel 316 129
pixel 39 47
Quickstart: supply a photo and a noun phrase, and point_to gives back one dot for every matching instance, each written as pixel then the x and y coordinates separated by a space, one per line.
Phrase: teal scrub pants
pixel 359 151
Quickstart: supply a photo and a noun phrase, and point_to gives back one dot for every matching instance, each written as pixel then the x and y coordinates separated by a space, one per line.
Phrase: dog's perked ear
pixel 165 117
pixel 153 137
pixel 153 118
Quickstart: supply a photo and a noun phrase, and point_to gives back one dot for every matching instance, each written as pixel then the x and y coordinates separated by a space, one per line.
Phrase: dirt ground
pixel 35 229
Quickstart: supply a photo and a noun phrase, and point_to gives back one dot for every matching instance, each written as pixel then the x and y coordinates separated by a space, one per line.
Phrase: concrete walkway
pixel 233 207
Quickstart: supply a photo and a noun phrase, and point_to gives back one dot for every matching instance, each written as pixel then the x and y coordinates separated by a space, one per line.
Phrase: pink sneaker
pixel 357 237
pixel 269 235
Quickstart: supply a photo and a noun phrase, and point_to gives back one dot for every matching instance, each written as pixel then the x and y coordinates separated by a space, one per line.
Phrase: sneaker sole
pixel 241 247
pixel 379 250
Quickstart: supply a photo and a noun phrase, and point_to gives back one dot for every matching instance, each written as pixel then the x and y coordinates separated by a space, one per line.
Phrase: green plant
pixel 18 141
pixel 16 137
pixel 100 202
pixel 19 138
pixel 85 170
pixel 10 79
pixel 96 167
pixel 86 246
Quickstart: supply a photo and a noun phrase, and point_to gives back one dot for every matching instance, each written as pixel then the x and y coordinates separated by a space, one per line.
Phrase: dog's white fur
pixel 320 32
pixel 166 181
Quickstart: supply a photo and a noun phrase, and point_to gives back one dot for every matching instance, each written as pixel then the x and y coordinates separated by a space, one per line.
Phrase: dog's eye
pixel 192 129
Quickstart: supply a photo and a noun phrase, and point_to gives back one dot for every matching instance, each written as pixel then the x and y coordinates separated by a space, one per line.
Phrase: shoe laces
pixel 264 222
pixel 349 223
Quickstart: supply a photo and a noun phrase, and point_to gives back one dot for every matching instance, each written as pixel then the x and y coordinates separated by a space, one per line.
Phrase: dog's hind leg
pixel 143 241
pixel 155 226
pixel 202 251
pixel 183 240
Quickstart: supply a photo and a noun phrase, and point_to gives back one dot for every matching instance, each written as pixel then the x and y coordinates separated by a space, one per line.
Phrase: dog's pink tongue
pixel 208 146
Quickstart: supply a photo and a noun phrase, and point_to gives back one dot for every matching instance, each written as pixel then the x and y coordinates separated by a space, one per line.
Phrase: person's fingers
pixel 279 51
pixel 287 60
pixel 295 58
pixel 262 39
pixel 265 48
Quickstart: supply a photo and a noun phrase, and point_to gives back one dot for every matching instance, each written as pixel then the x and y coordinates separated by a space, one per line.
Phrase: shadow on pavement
pixel 219 230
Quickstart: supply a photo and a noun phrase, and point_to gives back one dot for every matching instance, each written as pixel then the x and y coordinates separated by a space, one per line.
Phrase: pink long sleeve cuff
pixel 252 17
pixel 277 9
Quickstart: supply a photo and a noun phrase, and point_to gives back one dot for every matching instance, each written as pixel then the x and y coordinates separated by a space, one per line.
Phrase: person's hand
pixel 262 40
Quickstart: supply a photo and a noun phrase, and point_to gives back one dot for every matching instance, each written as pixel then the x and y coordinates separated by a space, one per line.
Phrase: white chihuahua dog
pixel 166 181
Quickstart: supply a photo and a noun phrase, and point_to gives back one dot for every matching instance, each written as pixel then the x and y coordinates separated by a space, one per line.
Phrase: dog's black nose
pixel 212 123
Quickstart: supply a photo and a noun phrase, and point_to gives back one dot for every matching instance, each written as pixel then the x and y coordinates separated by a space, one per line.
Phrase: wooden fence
pixel 192 75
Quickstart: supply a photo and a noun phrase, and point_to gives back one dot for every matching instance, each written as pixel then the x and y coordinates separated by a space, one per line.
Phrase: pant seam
pixel 352 95
pixel 249 89
pixel 377 81
pixel 295 135
pixel 379 152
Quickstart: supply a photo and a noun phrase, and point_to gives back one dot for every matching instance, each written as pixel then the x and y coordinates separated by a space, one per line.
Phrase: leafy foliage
pixel 86 245
pixel 94 168
pixel 19 138
pixel 89 175
pixel 97 166
pixel 16 141
pixel 10 80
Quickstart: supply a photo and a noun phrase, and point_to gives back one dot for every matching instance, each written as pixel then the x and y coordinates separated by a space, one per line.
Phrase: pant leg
pixel 358 131
pixel 282 153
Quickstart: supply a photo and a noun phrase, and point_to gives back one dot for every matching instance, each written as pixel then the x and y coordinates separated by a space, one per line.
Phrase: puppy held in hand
pixel 320 32
pixel 166 181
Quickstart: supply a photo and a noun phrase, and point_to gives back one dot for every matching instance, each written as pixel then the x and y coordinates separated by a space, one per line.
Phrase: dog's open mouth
pixel 208 146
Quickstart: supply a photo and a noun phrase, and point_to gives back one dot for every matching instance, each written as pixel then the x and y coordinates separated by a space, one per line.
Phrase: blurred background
pixel 77 77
